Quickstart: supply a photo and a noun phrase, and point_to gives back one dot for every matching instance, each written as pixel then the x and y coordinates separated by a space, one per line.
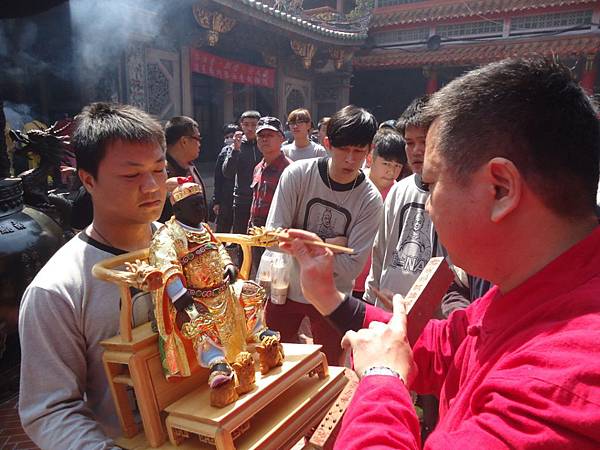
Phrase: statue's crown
pixel 186 187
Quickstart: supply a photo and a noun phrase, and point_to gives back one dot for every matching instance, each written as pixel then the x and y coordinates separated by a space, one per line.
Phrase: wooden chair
pixel 131 359
pixel 181 409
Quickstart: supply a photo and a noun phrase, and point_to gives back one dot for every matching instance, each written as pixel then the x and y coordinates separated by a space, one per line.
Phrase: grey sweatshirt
pixel 312 150
pixel 405 242
pixel 304 200
pixel 64 401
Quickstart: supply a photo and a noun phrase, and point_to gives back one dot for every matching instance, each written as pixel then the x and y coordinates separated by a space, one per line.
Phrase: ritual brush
pixel 271 237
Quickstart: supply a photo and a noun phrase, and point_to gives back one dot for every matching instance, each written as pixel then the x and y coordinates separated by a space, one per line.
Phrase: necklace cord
pixel 106 241
pixel 333 193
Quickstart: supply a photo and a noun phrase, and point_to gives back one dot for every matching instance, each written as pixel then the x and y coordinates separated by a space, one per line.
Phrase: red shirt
pixel 264 182
pixel 517 370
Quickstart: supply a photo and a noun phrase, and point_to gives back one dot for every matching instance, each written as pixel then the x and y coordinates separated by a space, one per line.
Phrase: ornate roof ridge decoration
pixel 304 50
pixel 300 22
pixel 340 56
pixel 214 21
pixel 482 53
pixel 430 11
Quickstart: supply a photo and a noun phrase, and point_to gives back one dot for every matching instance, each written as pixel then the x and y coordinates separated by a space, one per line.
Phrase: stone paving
pixel 12 436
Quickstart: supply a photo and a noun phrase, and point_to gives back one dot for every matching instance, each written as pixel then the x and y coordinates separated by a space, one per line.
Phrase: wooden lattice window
pixel 551 21
pixel 481 28
pixel 402 36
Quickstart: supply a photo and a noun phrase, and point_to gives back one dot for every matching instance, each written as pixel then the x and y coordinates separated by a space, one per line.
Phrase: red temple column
pixel 588 77
pixel 432 82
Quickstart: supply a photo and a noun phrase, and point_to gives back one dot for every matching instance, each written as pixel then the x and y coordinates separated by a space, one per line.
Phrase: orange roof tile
pixel 480 53
pixel 431 11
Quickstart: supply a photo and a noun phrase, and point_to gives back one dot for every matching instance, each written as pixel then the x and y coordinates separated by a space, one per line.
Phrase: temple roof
pixel 295 22
pixel 481 53
pixel 434 10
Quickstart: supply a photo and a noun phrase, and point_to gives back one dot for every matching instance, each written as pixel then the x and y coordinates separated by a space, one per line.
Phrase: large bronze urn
pixel 28 238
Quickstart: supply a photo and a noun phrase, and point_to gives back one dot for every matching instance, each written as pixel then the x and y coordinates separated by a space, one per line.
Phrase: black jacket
pixel 223 192
pixel 240 165
pixel 175 170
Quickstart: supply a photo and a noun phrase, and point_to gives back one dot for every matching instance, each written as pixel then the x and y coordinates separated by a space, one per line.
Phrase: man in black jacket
pixel 242 156
pixel 222 204
pixel 183 147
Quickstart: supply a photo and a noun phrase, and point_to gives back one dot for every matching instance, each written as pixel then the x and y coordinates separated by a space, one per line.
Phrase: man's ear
pixel 507 184
pixel 326 143
pixel 369 159
pixel 87 179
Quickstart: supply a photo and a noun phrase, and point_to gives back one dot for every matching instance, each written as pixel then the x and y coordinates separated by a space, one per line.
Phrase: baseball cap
pixel 269 123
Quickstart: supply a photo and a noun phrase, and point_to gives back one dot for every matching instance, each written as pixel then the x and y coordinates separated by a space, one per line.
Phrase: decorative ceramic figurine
pixel 202 317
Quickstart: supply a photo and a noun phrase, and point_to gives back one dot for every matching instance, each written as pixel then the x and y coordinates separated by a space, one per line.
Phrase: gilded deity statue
pixel 204 317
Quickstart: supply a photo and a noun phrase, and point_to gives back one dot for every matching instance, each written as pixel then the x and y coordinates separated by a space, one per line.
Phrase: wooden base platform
pixel 279 425
pixel 220 426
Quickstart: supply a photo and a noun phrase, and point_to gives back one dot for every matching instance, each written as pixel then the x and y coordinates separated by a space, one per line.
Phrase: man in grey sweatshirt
pixel 65 402
pixel 333 198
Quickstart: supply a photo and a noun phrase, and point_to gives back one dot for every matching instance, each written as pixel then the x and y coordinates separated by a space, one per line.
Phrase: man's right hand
pixel 316 270
pixel 237 140
pixel 216 209
pixel 383 345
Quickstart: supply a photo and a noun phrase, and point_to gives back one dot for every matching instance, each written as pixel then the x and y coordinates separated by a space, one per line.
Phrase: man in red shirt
pixel 511 161
pixel 269 137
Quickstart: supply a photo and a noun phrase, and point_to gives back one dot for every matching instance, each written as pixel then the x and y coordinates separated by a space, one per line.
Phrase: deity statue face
pixel 190 210
pixel 419 221
pixel 327 217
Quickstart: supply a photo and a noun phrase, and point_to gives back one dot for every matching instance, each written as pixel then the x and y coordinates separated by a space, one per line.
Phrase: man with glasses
pixel 302 147
pixel 183 147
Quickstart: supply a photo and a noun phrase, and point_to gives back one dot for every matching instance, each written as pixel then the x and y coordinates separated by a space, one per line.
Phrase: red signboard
pixel 229 70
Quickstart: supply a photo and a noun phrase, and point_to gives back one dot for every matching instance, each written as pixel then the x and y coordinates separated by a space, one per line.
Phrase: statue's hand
pixel 182 302
pixel 230 274
pixel 181 318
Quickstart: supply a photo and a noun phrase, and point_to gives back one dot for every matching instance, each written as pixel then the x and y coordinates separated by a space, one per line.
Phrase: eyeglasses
pixel 297 122
pixel 196 138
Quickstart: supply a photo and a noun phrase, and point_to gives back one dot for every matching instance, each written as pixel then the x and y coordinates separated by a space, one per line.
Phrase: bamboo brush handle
pixel 333 247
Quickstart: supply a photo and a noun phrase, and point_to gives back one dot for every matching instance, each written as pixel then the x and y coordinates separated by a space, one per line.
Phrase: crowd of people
pixel 504 166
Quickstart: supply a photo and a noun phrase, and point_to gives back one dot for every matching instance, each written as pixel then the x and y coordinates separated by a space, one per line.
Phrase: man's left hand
pixel 230 274
pixel 383 345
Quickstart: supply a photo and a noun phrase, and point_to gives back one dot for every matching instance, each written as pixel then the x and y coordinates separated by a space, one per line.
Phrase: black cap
pixel 269 123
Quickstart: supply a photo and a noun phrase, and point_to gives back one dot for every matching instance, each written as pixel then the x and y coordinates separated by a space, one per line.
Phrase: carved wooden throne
pixel 284 406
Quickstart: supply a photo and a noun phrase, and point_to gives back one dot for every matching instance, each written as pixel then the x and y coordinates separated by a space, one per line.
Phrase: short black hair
pixel 177 127
pixel 323 122
pixel 230 128
pixel 532 112
pixel 413 115
pixel 250 114
pixel 351 125
pixel 391 123
pixel 389 145
pixel 100 124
